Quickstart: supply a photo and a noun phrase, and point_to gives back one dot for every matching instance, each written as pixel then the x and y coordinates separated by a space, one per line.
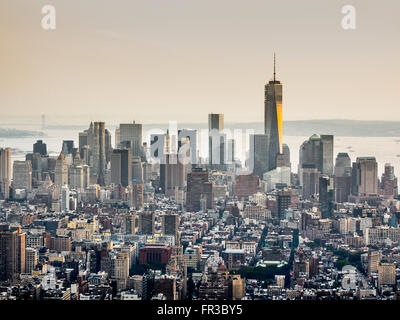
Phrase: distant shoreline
pixel 344 128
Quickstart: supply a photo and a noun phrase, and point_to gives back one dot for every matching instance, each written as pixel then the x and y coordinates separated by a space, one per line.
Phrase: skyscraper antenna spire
pixel 274 67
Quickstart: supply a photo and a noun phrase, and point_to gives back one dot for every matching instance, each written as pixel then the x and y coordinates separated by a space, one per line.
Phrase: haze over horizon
pixel 180 60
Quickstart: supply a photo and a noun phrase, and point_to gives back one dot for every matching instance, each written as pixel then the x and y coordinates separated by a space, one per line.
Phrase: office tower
pixel 108 146
pixel 389 182
pixel 117 138
pixel 31 259
pixel 374 258
pixel 342 174
pixel 216 141
pixel 61 171
pixel 310 153
pixel 286 154
pixel 5 173
pixel 136 195
pixel 64 198
pixel 310 181
pixel 187 145
pixel 283 199
pixel 12 252
pixel 76 177
pixel 365 176
pixel 326 195
pixel 22 175
pixel 95 153
pixel 230 151
pixel 258 153
pixel 216 121
pixel 39 166
pixel 132 133
pixel 147 222
pixel 386 274
pixel 342 165
pixel 83 143
pixel 40 147
pixel 67 147
pixel 273 120
pixel 317 151
pixel 327 154
pixel 172 174
pixel 137 169
pixel 121 167
pixel 342 188
pixel 198 188
pixel 86 176
pixel 170 224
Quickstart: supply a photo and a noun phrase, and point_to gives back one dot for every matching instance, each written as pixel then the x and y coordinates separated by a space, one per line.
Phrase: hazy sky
pixel 159 60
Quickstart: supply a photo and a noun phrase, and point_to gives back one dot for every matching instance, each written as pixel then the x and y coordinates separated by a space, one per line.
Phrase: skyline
pixel 167 55
pixel 113 185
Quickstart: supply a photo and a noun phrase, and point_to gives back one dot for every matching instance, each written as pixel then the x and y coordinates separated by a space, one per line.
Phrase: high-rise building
pixel 216 121
pixel 170 224
pixel 22 175
pixel 342 165
pixel 317 151
pixel 365 176
pixel 286 154
pixel 137 169
pixel 96 149
pixel 327 154
pixel 12 252
pixel 373 261
pixel 326 195
pixel 64 198
pixel 199 188
pixel 76 174
pixel 83 143
pixel 258 153
pixel 310 181
pixel 389 185
pixel 216 141
pixel 132 133
pixel 146 222
pixel 121 167
pixel 172 174
pixel 5 173
pixel 342 174
pixel 273 120
pixel 86 176
pixel 121 269
pixel 67 147
pixel 31 259
pixel 136 195
pixel 40 147
pixel 283 200
pixel 61 171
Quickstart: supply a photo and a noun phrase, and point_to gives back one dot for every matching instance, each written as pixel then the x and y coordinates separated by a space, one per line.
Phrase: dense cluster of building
pixel 153 222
